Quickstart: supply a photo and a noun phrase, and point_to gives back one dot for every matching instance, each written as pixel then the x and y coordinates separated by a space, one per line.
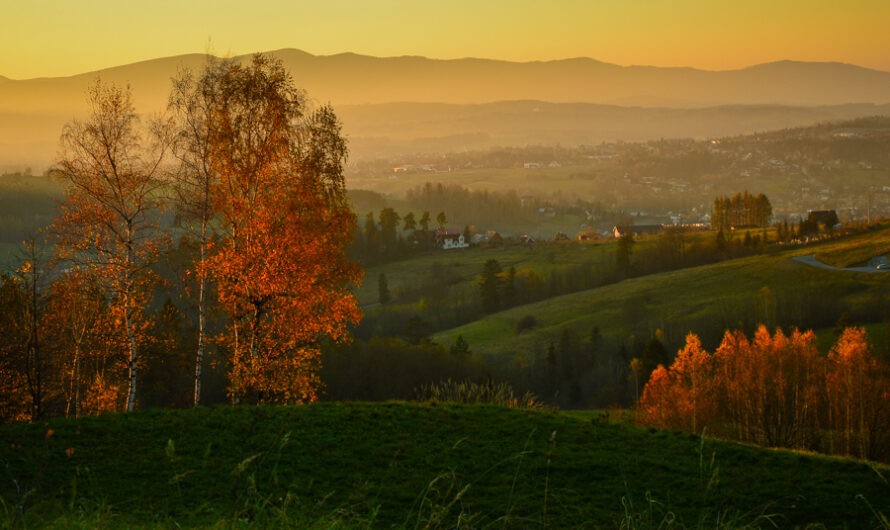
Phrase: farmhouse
pixel 450 238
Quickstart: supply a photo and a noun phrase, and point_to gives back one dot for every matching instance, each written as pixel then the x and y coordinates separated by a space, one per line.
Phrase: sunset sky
pixel 45 38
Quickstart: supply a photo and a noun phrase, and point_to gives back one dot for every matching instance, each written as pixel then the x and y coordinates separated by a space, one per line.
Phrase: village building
pixel 449 238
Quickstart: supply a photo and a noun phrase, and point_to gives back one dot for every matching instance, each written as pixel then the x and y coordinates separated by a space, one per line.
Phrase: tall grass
pixel 472 393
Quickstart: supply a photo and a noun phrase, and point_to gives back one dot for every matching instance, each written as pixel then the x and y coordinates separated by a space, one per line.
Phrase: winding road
pixel 813 262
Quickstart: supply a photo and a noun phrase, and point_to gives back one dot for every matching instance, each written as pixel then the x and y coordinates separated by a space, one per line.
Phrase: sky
pixel 49 38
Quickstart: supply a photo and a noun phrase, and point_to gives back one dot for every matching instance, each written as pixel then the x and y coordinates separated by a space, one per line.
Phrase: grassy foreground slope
pixel 407 465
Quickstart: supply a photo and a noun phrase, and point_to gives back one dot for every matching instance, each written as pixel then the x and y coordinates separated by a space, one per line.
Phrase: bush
pixel 525 323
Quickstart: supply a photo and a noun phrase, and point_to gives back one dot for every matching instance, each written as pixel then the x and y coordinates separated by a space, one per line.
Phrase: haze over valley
pixel 403 105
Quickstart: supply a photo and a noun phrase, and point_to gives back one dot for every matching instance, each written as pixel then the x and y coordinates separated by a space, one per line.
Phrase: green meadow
pixel 739 293
pixel 402 465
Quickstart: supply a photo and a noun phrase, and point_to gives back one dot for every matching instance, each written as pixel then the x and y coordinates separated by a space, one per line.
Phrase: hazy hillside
pixel 33 111
pixel 382 130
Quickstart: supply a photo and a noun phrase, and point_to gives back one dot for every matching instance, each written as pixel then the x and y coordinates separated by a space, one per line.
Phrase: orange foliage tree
pixel 15 400
pixel 87 346
pixel 784 377
pixel 858 392
pixel 777 390
pixel 681 397
pixel 111 165
pixel 280 259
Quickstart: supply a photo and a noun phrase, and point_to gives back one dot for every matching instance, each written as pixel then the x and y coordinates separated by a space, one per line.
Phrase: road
pixel 812 261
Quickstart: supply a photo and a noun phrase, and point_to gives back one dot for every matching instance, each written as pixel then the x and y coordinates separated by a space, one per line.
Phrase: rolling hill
pixel 705 300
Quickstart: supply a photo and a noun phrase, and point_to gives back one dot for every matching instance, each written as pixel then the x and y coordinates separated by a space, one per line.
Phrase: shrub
pixel 476 393
pixel 525 323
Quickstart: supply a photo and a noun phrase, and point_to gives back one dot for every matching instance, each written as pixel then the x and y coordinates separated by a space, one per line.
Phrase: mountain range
pixel 389 105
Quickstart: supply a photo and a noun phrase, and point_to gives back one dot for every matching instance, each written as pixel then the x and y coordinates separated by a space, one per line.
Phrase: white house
pixel 449 239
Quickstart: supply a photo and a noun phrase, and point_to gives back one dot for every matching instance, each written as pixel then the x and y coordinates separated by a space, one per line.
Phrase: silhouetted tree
pixel 382 289
pixel 623 252
pixel 490 286
pixel 460 348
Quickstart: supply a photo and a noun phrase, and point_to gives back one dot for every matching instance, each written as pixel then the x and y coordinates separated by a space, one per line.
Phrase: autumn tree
pixel 858 392
pixel 192 102
pixel 111 164
pixel 32 275
pixel 280 266
pixel 742 209
pixel 87 344
pixel 15 401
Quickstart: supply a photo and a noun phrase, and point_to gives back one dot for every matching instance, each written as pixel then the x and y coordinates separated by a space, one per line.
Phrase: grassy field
pixel 407 277
pixel 465 265
pixel 705 300
pixel 397 465
pixel 856 251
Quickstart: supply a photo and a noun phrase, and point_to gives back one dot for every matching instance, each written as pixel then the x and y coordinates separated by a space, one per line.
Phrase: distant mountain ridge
pixel 33 111
pixel 350 78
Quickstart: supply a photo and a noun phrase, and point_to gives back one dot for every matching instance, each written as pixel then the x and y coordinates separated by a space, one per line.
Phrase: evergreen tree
pixel 409 222
pixel 623 252
pixel 721 242
pixel 383 289
pixel 490 286
pixel 372 238
pixel 460 348
pixel 389 222
pixel 510 288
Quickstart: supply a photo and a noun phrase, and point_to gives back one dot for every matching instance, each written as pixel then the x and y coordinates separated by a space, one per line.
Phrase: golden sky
pixel 43 38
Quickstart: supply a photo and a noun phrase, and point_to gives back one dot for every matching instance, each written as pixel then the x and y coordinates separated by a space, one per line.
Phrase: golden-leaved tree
pixel 273 171
pixel 776 389
pixel 858 393
pixel 112 163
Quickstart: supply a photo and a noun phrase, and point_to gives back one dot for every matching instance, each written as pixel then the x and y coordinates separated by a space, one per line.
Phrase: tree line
pixel 255 179
pixel 777 390
pixel 741 210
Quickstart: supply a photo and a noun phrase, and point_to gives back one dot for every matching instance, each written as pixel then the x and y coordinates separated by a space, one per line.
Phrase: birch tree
pixel 192 101
pixel 111 164
pixel 278 192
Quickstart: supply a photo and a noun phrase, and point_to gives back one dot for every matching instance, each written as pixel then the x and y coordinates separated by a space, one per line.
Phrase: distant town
pixel 842 167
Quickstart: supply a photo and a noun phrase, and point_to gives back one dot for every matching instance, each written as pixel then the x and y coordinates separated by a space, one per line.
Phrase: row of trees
pixel 742 209
pixel 255 178
pixel 483 208
pixel 778 390
pixel 394 236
